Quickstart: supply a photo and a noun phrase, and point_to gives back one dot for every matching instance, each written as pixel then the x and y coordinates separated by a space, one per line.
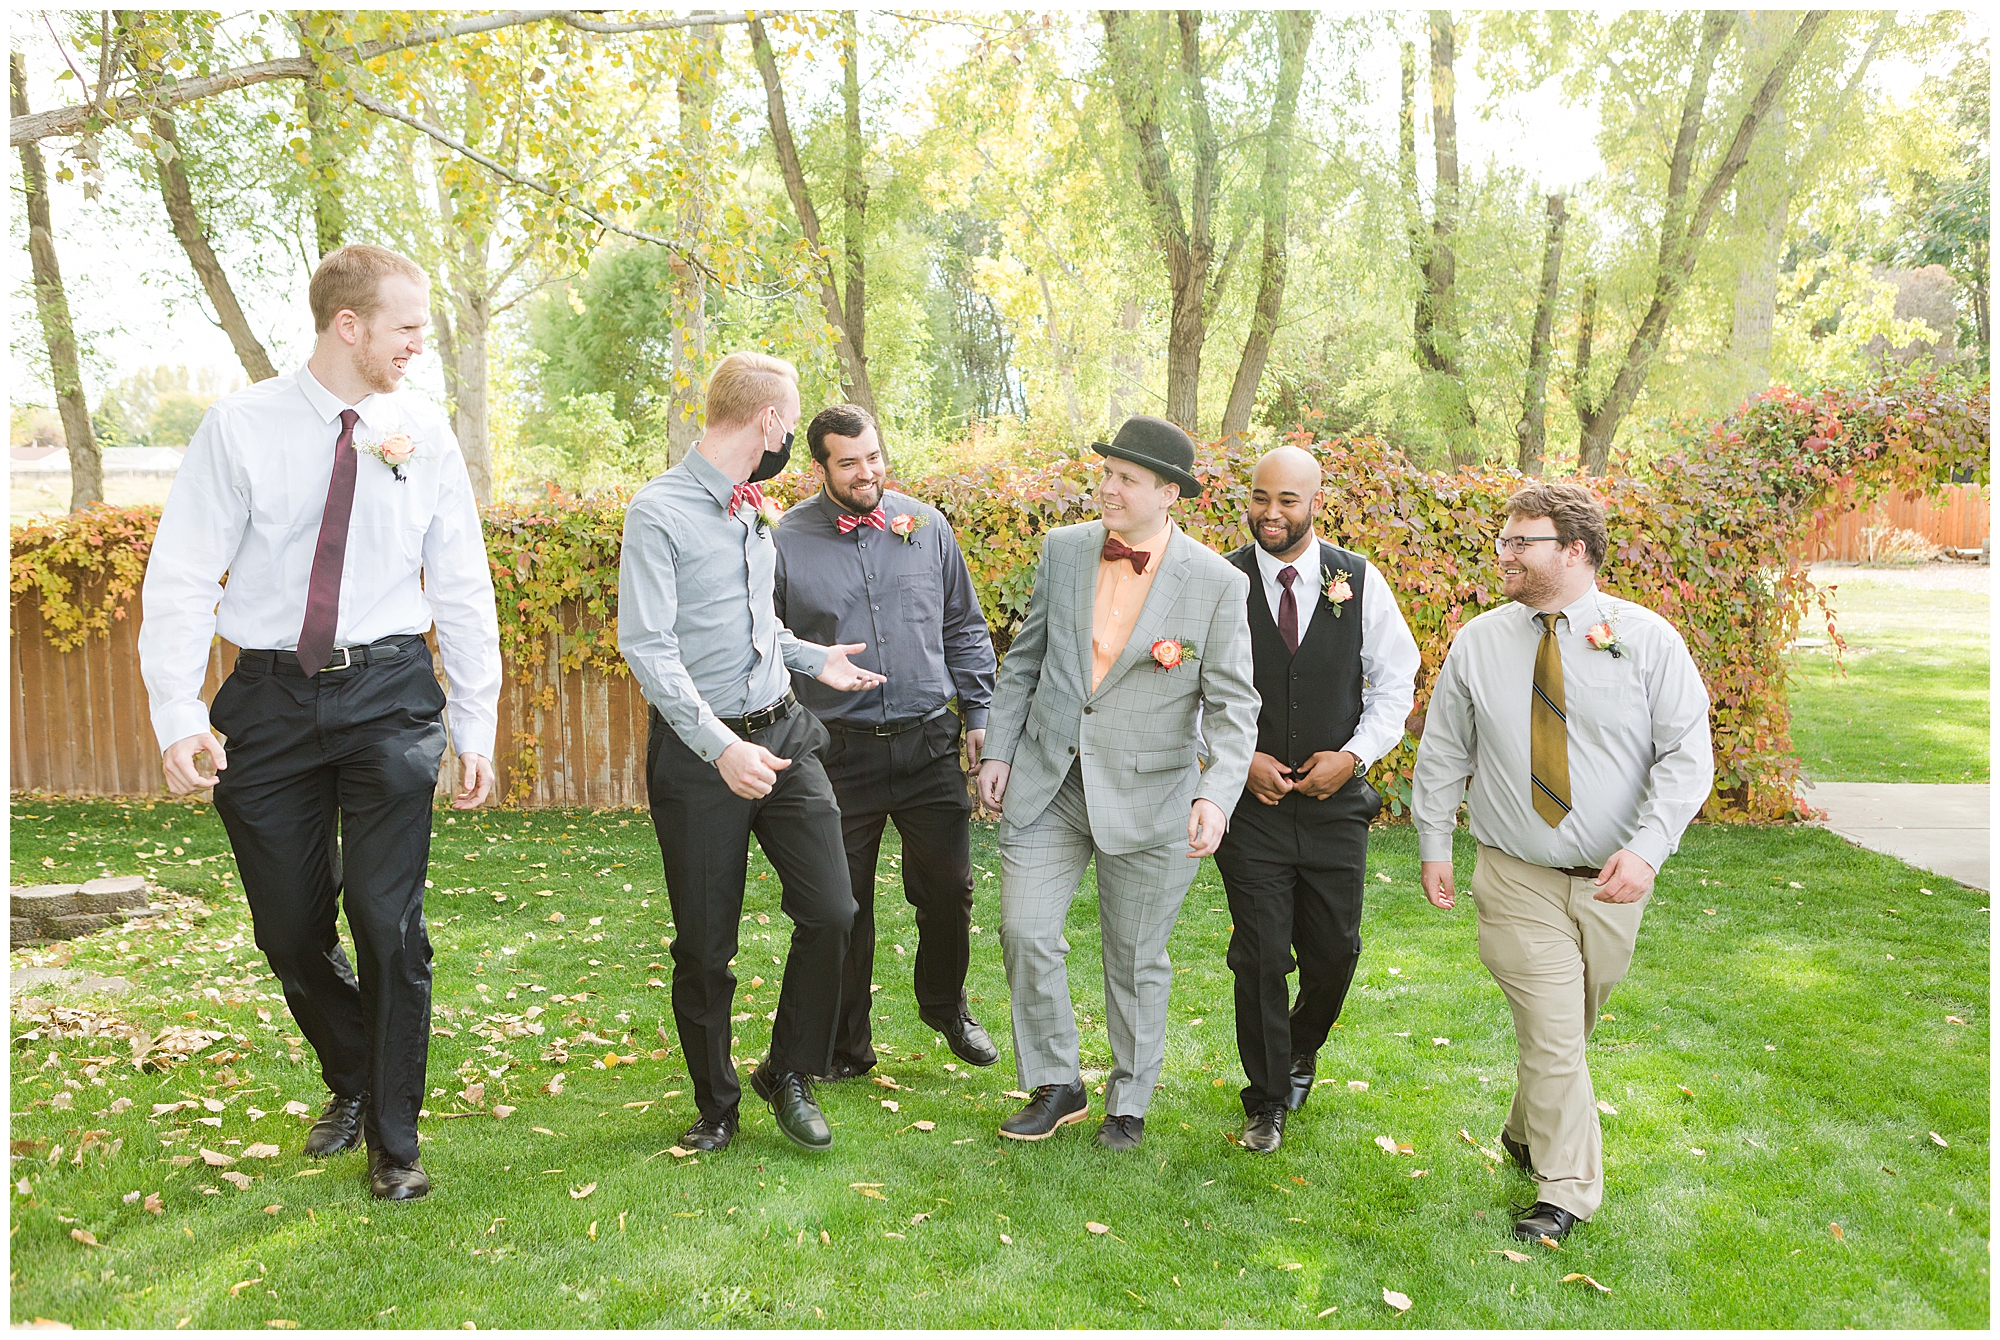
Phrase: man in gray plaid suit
pixel 1134 634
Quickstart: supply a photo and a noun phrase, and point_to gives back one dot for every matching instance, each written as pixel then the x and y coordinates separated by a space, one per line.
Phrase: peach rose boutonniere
pixel 1169 652
pixel 1334 586
pixel 1603 636
pixel 906 525
pixel 394 450
pixel 769 514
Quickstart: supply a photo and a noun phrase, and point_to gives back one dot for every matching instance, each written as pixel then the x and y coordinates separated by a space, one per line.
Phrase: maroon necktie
pixel 1288 610
pixel 847 521
pixel 746 493
pixel 323 591
pixel 1115 549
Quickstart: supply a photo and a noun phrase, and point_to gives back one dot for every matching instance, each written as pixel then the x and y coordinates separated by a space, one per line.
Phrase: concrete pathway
pixel 1933 826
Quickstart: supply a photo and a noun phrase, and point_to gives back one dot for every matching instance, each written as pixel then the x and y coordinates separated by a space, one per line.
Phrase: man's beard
pixel 1537 585
pixel 376 374
pixel 853 502
pixel 1293 535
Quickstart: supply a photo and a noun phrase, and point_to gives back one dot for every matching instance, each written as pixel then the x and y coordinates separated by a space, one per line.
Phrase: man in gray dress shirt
pixel 1582 724
pixel 861 564
pixel 730 753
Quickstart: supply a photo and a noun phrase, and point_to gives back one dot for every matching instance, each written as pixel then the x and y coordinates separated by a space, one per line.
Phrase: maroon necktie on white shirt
pixel 330 555
pixel 1288 610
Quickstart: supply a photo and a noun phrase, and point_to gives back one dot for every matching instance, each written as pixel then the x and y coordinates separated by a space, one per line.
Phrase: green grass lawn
pixel 1789 1039
pixel 1912 705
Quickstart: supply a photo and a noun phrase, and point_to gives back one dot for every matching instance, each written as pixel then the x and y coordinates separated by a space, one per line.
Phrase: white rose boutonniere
pixel 1336 590
pixel 394 450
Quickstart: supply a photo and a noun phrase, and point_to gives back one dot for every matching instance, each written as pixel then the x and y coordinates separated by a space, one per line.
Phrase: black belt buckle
pixel 763 716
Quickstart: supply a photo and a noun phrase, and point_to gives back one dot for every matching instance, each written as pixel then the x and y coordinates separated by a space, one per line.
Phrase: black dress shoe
pixel 710 1135
pixel 1304 1066
pixel 338 1128
pixel 791 1100
pixel 390 1180
pixel 1121 1133
pixel 967 1040
pixel 1545 1221
pixel 1264 1131
pixel 1052 1107
pixel 1517 1152
pixel 845 1067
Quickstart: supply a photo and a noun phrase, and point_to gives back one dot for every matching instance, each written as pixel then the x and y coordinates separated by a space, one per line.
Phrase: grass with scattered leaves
pixel 1913 703
pixel 1800 1019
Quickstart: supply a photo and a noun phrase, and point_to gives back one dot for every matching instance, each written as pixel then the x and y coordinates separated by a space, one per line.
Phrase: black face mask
pixel 773 461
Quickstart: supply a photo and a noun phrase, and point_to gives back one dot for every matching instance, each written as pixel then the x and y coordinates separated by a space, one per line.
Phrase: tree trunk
pixel 86 465
pixel 1413 206
pixel 1295 29
pixel 1586 331
pixel 1130 388
pixel 464 348
pixel 854 186
pixel 179 200
pixel 329 210
pixel 855 383
pixel 1532 431
pixel 1681 230
pixel 1441 274
pixel 1061 354
pixel 689 320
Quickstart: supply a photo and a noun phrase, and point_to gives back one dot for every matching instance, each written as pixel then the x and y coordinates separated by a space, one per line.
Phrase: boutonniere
pixel 1336 590
pixel 1169 652
pixel 394 450
pixel 769 514
pixel 1603 636
pixel 906 525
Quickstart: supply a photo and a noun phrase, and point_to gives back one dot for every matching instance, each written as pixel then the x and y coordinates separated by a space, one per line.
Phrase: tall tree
pixel 846 324
pixel 86 464
pixel 1295 29
pixel 688 336
pixel 1531 433
pixel 1435 316
pixel 1686 219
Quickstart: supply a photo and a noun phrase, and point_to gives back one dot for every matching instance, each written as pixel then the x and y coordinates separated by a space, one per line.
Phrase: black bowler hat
pixel 1158 445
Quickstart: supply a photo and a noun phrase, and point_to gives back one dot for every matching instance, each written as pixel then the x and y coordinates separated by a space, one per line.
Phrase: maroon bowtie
pixel 1115 549
pixel 746 493
pixel 847 521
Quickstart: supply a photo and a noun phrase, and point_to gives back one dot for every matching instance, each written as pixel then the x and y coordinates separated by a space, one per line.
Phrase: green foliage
pixel 81 571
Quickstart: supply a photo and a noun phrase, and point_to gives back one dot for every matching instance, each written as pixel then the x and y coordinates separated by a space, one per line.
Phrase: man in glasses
pixel 1582 724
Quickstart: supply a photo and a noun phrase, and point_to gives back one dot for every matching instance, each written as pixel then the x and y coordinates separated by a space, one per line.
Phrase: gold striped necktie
pixel 1548 731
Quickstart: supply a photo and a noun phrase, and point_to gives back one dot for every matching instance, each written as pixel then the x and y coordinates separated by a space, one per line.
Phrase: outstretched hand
pixel 841 673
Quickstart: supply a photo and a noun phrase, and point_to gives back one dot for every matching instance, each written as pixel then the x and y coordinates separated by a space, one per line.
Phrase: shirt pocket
pixel 1162 760
pixel 920 596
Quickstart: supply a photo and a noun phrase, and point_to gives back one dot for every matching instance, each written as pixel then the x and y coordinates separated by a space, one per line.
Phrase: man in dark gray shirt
pixel 729 753
pixel 858 564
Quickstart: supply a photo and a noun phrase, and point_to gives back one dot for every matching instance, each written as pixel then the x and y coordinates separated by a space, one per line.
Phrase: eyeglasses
pixel 1517 544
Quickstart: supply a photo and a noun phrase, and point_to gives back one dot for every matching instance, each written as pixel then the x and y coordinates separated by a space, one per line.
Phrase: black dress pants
pixel 704 830
pixel 913 778
pixel 327 800
pixel 1294 874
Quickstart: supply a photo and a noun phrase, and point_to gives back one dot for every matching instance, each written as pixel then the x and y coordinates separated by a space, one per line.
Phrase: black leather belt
pixel 343 658
pixel 763 716
pixel 888 729
pixel 1578 872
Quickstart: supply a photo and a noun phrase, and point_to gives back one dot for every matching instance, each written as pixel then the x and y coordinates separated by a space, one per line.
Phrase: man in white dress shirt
pixel 1335 672
pixel 1582 723
pixel 342 514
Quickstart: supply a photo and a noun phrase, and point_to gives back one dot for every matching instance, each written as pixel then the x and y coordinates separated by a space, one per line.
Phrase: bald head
pixel 1285 495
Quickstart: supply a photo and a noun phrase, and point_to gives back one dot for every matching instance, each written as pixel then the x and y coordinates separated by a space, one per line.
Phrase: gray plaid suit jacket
pixel 1136 735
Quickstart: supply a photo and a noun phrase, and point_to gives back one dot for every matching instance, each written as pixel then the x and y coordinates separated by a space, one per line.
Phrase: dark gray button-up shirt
pixel 912 603
pixel 695 618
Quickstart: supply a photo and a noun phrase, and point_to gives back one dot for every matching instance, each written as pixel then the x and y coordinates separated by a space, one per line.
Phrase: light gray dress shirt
pixel 1389 656
pixel 695 619
pixel 248 501
pixel 1640 762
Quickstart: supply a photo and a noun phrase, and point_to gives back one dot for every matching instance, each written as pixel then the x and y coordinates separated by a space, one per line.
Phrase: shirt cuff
pixel 1434 846
pixel 1650 848
pixel 469 736
pixel 808 658
pixel 1365 762
pixel 975 718
pixel 712 739
pixel 175 723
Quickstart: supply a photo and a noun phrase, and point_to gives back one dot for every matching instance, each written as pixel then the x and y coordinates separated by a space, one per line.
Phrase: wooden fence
pixel 1957 518
pixel 80 723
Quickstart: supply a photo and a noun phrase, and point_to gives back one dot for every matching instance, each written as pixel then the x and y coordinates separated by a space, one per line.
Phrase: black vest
pixel 1311 700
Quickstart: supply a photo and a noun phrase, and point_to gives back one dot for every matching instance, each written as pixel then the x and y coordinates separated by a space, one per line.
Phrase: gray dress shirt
pixel 695 620
pixel 912 603
pixel 1640 762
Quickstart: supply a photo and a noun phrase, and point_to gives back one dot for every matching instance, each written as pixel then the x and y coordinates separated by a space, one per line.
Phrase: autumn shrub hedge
pixel 1707 529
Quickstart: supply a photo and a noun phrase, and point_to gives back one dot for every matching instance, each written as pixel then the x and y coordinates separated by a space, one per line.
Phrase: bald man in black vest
pixel 1336 669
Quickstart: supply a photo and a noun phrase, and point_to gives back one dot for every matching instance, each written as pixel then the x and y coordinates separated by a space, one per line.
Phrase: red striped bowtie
pixel 746 493
pixel 847 521
pixel 1115 549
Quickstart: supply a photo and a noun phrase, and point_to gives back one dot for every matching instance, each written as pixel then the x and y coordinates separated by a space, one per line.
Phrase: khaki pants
pixel 1557 952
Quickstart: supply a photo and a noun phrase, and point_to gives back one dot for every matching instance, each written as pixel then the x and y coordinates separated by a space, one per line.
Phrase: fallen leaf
pixel 680 1153
pixel 213 1104
pixel 1949 1018
pixel 926 1125
pixel 85 1236
pixel 272 1209
pixel 1549 1243
pixel 215 1160
pixel 309 1172
pixel 241 1181
pixel 579 1192
pixel 1013 1093
pixel 1359 1085
pixel 1388 1145
pixel 555 1084
pixel 892 1104
pixel 1606 1108
pixel 1440 1042
pixel 1327 1311
pixel 1420 1172
pixel 1685 1090
pixel 1939 1141
pixel 1838 1234
pixel 1006 1241
pixel 502 1111
pixel 241 1285
pixel 919 1217
pixel 1513 1255
pixel 295 1108
pixel 1698 1153
pixel 282 1324
pixel 1586 1279
pixel 885 1081
pixel 260 1151
pixel 1098 1228
pixel 153 1205
pixel 592 1230
pixel 871 1193
pixel 1292 1265
pixel 473 1094
pixel 1399 1301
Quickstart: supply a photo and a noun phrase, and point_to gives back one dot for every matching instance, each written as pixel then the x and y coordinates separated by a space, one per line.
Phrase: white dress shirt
pixel 248 501
pixel 1640 763
pixel 1389 655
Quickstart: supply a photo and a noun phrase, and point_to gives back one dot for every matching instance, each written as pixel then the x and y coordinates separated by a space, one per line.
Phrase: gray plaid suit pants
pixel 1138 897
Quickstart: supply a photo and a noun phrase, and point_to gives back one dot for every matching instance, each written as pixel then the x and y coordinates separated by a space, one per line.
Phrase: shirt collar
pixel 1270 565
pixel 1586 610
pixel 704 472
pixel 371 408
pixel 1155 546
pixel 833 511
